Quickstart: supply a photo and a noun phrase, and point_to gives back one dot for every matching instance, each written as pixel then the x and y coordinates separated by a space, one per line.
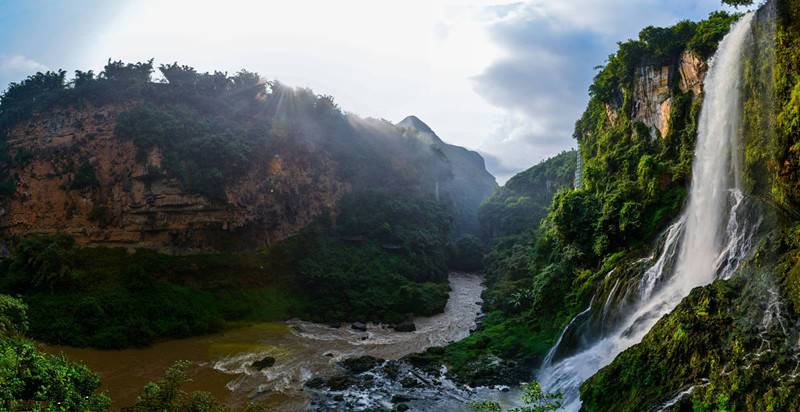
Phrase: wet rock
pixel 315 383
pixel 405 326
pixel 335 325
pixel 361 364
pixel 411 382
pixel 400 398
pixel 338 398
pixel 489 370
pixel 429 361
pixel 361 327
pixel 401 407
pixel 392 369
pixel 265 362
pixel 341 382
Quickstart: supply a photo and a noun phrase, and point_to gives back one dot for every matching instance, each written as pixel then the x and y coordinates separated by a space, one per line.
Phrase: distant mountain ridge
pixel 471 183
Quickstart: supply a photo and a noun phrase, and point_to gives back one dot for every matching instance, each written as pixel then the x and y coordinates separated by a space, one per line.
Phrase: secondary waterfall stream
pixel 706 243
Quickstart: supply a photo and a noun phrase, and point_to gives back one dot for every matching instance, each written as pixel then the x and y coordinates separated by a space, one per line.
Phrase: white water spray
pixel 710 238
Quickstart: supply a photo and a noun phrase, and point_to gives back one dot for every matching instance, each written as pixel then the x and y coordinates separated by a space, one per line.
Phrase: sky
pixel 507 79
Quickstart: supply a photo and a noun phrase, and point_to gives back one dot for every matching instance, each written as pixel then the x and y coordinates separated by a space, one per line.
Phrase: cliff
pixel 123 203
pixel 732 345
pixel 129 170
pixel 636 146
pixel 468 186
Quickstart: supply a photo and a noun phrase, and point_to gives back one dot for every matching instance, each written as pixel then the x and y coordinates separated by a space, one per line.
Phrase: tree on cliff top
pixel 737 3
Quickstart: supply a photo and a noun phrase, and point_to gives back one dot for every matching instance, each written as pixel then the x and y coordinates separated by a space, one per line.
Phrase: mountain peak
pixel 413 122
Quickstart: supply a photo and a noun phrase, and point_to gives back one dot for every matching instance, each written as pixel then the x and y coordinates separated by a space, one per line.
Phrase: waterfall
pixel 706 243
pixel 578 168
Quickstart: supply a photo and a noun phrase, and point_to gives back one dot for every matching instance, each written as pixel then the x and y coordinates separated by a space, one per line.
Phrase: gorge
pixel 301 257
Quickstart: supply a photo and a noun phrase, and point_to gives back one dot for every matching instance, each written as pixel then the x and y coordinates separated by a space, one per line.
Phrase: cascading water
pixel 706 243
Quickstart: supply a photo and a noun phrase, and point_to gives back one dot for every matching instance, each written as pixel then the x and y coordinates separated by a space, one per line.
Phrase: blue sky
pixel 507 78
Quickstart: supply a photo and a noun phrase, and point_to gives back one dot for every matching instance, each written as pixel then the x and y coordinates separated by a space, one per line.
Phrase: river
pixel 301 350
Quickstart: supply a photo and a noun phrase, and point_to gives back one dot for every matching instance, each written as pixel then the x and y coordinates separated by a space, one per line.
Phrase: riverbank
pixel 302 350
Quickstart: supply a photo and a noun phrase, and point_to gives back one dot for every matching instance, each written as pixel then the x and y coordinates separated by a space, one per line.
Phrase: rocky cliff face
pixel 652 90
pixel 75 176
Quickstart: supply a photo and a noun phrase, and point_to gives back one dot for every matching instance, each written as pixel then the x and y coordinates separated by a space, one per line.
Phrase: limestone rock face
pixel 134 204
pixel 651 97
pixel 652 91
pixel 693 71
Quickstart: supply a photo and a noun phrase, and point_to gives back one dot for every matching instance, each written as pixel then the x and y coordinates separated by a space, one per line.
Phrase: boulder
pixel 359 326
pixel 265 362
pixel 405 326
pixel 361 364
pixel 341 382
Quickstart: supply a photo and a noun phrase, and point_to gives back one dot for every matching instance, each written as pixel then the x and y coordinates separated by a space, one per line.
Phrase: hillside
pixel 470 183
pixel 221 197
pixel 733 344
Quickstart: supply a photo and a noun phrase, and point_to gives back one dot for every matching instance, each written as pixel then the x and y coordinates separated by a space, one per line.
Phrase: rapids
pixel 301 350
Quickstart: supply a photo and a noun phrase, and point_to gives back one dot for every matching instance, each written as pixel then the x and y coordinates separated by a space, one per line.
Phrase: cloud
pixel 549 51
pixel 19 64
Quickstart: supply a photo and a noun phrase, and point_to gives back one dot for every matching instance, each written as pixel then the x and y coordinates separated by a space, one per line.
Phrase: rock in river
pixel 265 362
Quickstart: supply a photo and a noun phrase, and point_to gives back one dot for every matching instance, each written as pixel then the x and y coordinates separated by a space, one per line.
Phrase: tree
pixel 737 3
pixel 166 395
pixel 13 316
pixel 82 78
pixel 34 381
pixel 128 73
pixel 181 76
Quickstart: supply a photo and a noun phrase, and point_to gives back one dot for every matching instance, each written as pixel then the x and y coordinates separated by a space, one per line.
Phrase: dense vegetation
pixel 110 298
pixel 384 257
pixel 523 201
pixel 375 264
pixel 634 182
pixel 31 380
pixel 734 341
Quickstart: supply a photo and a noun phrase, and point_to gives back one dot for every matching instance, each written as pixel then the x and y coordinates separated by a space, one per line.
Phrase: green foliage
pixel 657 46
pixel 737 3
pixel 634 182
pixel 33 381
pixel 466 254
pixel 365 282
pixel 13 316
pixel 42 262
pixel 523 201
pixel 720 340
pixel 167 395
pixel 534 398
pixel 710 32
pixel 393 221
pixel 109 298
pixel 206 154
pixel 84 177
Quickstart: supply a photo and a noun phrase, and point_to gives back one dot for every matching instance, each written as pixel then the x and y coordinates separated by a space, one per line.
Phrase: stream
pixel 302 350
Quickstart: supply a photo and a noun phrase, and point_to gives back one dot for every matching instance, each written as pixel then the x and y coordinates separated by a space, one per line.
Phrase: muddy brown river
pixel 301 350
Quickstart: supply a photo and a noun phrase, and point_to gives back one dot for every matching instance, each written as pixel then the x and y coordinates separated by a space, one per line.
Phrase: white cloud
pixel 508 78
pixel 18 64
